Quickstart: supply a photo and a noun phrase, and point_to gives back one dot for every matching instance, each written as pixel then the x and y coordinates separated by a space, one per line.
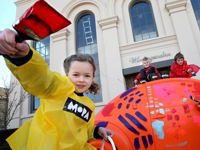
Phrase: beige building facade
pixel 119 50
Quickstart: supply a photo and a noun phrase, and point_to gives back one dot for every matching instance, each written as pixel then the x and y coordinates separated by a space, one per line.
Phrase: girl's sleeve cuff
pixel 20 61
pixel 96 134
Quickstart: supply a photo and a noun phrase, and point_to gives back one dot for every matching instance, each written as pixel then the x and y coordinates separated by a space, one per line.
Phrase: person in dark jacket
pixel 180 68
pixel 148 73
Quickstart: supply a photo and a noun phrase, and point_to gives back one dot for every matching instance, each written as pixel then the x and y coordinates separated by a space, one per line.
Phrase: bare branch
pixel 14 98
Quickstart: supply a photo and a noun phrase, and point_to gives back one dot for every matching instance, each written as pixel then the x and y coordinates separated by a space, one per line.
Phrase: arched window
pixel 142 21
pixel 196 8
pixel 86 43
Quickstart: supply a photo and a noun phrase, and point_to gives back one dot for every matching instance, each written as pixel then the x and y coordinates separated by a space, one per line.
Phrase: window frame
pixel 134 29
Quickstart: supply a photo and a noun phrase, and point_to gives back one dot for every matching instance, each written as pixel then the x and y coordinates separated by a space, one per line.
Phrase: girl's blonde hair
pixel 147 59
pixel 94 88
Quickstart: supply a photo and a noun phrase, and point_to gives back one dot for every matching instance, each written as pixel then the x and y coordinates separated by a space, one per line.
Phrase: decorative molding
pixel 174 6
pixel 60 35
pixel 75 4
pixel 22 2
pixel 146 43
pixel 108 22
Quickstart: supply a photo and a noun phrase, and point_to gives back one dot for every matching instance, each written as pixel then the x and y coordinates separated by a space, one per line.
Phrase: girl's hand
pixel 104 132
pixel 8 45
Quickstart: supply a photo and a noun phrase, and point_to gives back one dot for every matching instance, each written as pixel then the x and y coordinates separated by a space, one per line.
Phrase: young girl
pixel 65 119
pixel 180 68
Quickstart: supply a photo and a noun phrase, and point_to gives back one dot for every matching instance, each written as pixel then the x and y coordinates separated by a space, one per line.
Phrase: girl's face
pixel 146 64
pixel 179 61
pixel 81 74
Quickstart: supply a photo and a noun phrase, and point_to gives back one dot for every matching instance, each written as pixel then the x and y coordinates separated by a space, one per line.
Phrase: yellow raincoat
pixel 64 121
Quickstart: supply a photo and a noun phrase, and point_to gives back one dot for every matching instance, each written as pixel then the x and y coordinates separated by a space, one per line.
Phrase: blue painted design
pixel 127 125
pixel 127 92
pixel 102 124
pixel 137 92
pixel 158 127
pixel 138 101
pixel 132 94
pixel 131 99
pixel 125 98
pixel 144 140
pixel 136 143
pixel 139 115
pixel 150 138
pixel 127 106
pixel 119 106
pixel 135 121
pixel 141 94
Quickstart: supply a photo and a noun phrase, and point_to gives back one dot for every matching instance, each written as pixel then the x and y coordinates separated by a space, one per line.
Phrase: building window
pixel 35 103
pixel 196 8
pixel 42 47
pixel 142 21
pixel 86 43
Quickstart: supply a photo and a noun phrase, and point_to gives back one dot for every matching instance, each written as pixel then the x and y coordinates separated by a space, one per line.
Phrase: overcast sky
pixel 7 18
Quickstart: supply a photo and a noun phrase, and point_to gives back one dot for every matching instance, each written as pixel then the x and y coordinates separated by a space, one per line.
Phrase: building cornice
pixel 174 6
pixel 60 35
pixel 167 40
pixel 20 2
pixel 108 22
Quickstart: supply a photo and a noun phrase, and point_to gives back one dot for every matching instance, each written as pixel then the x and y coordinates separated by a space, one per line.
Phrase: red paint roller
pixel 39 21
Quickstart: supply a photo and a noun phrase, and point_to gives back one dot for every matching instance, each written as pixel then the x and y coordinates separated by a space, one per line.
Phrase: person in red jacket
pixel 148 73
pixel 180 68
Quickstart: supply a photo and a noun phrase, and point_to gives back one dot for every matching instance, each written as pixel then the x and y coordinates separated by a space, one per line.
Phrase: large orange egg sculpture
pixel 158 115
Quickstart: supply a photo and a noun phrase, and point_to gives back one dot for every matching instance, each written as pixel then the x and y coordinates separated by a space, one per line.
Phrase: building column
pixel 183 29
pixel 58 50
pixel 113 66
